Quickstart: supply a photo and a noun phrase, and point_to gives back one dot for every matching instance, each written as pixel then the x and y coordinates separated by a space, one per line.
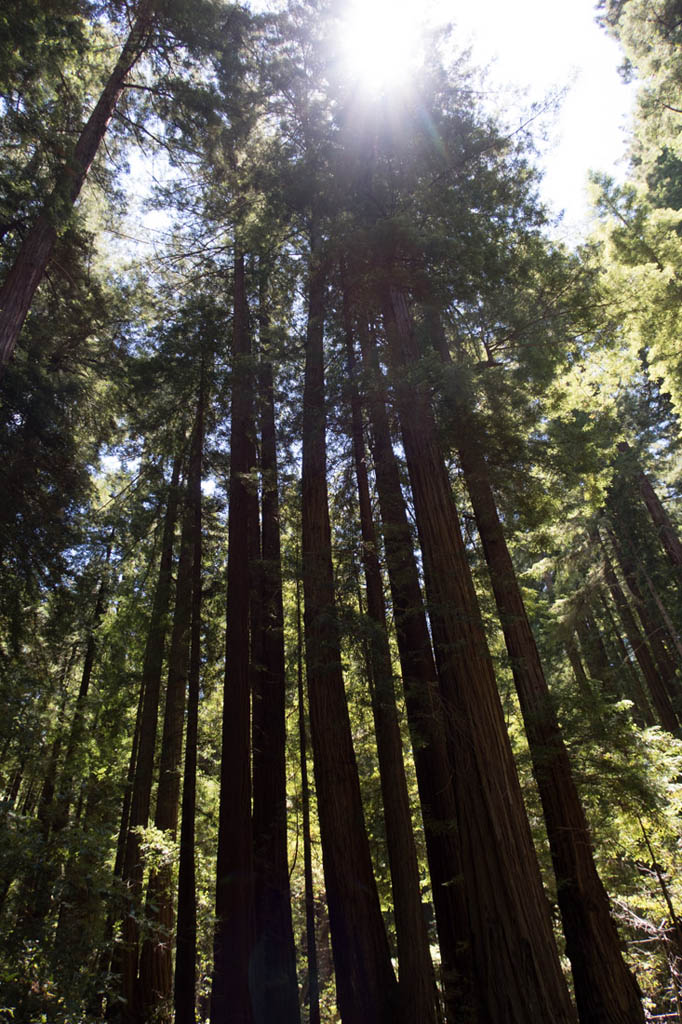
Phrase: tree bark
pixel 653 633
pixel 65 794
pixel 365 983
pixel 642 712
pixel 277 988
pixel 156 969
pixel 186 941
pixel 128 792
pixel 313 987
pixel 45 812
pixel 665 615
pixel 235 923
pixel 577 667
pixel 667 534
pixel 425 714
pixel 144 770
pixel 659 695
pixel 605 990
pixel 29 266
pixel 416 979
pixel 517 972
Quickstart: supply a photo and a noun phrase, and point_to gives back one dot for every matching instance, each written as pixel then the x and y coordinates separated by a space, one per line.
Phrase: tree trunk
pixel 234 935
pixel 417 987
pixel 653 633
pixel 65 795
pixel 605 990
pixel 29 266
pixel 517 972
pixel 45 813
pixel 311 943
pixel 107 955
pixel 365 983
pixel 665 616
pixel 277 988
pixel 128 792
pixel 667 534
pixel 144 770
pixel 156 969
pixel 577 666
pixel 642 712
pixel 423 703
pixel 653 681
pixel 638 644
pixel 186 943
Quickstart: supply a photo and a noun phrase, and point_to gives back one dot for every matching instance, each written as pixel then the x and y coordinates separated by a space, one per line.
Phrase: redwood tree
pixel 31 261
pixel 231 999
pixel 508 915
pixel 366 986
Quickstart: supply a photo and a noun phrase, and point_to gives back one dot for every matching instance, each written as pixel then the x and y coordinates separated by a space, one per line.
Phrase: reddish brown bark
pixel 132 873
pixel 659 696
pixel 186 944
pixel 235 923
pixel 577 666
pixel 516 967
pixel 29 266
pixel 641 710
pixel 156 969
pixel 423 703
pixel 313 981
pixel 654 632
pixel 417 987
pixel 45 809
pixel 605 990
pixel 277 989
pixel 667 533
pixel 65 795
pixel 365 983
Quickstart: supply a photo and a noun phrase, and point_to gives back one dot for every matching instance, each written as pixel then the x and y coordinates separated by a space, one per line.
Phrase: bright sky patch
pixel 380 43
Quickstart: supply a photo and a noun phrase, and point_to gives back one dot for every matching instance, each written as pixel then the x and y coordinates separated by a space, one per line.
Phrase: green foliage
pixel 556 356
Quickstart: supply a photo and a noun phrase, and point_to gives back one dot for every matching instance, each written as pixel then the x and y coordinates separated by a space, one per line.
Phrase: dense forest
pixel 340 557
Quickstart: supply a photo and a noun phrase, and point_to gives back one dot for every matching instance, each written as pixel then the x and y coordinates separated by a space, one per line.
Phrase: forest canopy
pixel 340 557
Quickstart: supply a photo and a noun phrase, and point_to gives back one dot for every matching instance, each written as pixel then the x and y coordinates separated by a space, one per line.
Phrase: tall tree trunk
pixel 664 613
pixel 637 642
pixel 642 711
pixel 45 813
pixel 653 630
pixel 65 795
pixel 605 990
pixel 156 970
pixel 417 986
pixel 275 954
pixel 577 666
pixel 425 714
pixel 594 652
pixel 107 954
pixel 365 983
pixel 234 935
pixel 144 770
pixel 667 534
pixel 186 943
pixel 311 942
pixel 517 972
pixel 29 266
pixel 128 792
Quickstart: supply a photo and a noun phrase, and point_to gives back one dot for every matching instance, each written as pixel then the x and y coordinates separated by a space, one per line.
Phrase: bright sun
pixel 380 43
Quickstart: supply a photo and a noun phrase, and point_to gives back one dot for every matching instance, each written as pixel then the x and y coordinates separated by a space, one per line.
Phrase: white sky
pixel 542 45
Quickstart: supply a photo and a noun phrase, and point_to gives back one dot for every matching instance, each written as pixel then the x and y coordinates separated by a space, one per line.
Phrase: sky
pixel 534 45
pixel 541 46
